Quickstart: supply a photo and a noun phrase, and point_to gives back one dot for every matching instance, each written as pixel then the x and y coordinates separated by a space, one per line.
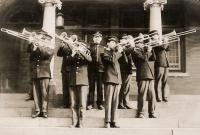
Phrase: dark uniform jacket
pixel 161 57
pixel 126 63
pixel 96 52
pixel 144 62
pixel 40 61
pixel 65 62
pixel 111 67
pixel 78 66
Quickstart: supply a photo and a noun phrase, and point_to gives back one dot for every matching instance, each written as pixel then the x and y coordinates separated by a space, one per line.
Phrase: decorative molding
pixel 154 2
pixel 56 3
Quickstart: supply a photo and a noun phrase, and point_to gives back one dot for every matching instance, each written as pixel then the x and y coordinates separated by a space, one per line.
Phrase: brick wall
pixel 191 83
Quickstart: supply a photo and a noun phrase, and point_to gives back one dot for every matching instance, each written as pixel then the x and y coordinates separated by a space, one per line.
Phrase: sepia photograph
pixel 99 67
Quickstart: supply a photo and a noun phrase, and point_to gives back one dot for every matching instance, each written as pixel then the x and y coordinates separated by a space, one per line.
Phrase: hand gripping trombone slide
pixel 75 46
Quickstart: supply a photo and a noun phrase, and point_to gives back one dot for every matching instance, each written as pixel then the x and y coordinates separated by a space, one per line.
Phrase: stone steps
pixel 83 131
pixel 179 107
pixel 88 122
pixel 180 116
pixel 95 131
pixel 99 122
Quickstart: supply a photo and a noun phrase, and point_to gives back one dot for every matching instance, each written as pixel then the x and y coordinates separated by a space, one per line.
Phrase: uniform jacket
pixel 40 61
pixel 161 57
pixel 126 63
pixel 66 59
pixel 111 67
pixel 144 63
pixel 96 52
pixel 78 66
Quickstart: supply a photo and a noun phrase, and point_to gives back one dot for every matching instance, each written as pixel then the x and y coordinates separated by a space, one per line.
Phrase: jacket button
pixel 76 72
pixel 37 65
pixel 77 67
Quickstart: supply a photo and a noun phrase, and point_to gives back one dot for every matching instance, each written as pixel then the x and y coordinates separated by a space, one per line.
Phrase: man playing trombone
pixel 161 67
pixel 40 57
pixel 126 67
pixel 78 78
pixel 143 57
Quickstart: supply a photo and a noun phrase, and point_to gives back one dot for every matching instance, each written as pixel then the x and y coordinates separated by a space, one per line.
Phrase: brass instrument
pixel 170 38
pixel 32 37
pixel 76 46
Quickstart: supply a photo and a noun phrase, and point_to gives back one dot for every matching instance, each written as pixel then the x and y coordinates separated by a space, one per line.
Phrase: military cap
pixel 112 38
pixel 124 36
pixel 98 33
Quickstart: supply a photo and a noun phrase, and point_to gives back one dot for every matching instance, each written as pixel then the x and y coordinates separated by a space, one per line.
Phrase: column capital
pixel 160 3
pixel 56 3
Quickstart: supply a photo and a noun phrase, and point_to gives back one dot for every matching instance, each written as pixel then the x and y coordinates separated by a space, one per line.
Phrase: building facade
pixel 84 17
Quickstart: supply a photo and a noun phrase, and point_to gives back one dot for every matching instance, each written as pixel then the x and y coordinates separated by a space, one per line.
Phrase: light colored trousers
pixel 111 101
pixel 78 96
pixel 146 91
pixel 41 94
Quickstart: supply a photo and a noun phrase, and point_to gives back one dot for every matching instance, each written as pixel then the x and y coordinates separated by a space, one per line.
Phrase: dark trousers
pixel 65 89
pixel 30 89
pixel 111 102
pixel 78 95
pixel 41 94
pixel 146 91
pixel 161 86
pixel 125 89
pixel 95 78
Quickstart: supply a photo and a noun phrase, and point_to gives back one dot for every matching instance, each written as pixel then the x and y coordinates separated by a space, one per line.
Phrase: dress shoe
pixel 74 125
pixel 107 125
pixel 90 107
pixel 158 100
pixel 165 100
pixel 100 107
pixel 36 114
pixel 128 107
pixel 121 107
pixel 79 126
pixel 113 125
pixel 28 98
pixel 140 115
pixel 44 115
pixel 152 116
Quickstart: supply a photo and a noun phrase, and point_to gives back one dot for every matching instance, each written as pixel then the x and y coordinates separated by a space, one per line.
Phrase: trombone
pixel 75 45
pixel 170 38
pixel 28 36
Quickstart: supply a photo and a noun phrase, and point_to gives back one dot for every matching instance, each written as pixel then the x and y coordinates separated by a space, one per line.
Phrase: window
pixel 174 56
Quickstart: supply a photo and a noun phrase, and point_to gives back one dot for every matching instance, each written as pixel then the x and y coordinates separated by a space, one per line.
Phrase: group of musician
pixel 108 69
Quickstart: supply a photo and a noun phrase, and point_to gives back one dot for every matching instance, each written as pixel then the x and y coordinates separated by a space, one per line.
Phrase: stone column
pixel 49 26
pixel 155 7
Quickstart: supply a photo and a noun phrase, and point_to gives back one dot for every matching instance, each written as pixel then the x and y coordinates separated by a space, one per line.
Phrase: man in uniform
pixel 96 70
pixel 78 84
pixel 126 73
pixel 161 69
pixel 143 57
pixel 65 74
pixel 112 81
pixel 40 57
